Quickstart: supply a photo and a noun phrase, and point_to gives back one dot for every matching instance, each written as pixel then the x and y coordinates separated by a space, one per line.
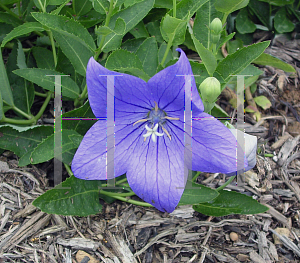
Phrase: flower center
pixel 156 118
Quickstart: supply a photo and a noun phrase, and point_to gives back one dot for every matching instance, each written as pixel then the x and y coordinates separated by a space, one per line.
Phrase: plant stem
pixel 195 177
pixel 68 169
pixel 224 18
pixel 116 194
pixel 19 7
pixel 107 20
pixel 121 181
pixel 42 109
pixel 174 8
pixel 53 46
pixel 124 199
pixel 166 52
pixel 40 94
pixel 227 183
pixel 22 112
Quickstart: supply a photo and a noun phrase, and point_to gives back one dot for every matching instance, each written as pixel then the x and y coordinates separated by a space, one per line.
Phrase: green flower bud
pixel 216 26
pixel 210 89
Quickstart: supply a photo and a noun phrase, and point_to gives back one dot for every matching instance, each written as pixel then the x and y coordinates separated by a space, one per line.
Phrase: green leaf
pixel 21 61
pixel 75 51
pixel 266 59
pixel 173 29
pixel 23 140
pixel 278 2
pixel 81 7
pixel 41 4
pixel 185 9
pixel 77 121
pixel 43 57
pixel 132 45
pixel 67 27
pixel 243 24
pixel 204 16
pixel 124 61
pixel 45 150
pixel 131 16
pixel 282 23
pixel 263 102
pixel 197 194
pixel 72 197
pixel 236 62
pixel 147 54
pixel 139 31
pixel 100 6
pixel 161 52
pixel 39 76
pixel 5 86
pixel 206 56
pixel 261 10
pixel 229 202
pixel 224 40
pixel 218 112
pixel 22 91
pixel 200 71
pixel 118 31
pixel 229 6
pixel 22 30
pixel 154 31
pixel 9 19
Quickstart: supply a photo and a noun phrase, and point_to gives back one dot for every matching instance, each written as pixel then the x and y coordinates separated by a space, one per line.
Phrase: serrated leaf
pixel 22 30
pixel 197 194
pixel 131 16
pixel 263 102
pixel 118 31
pixel 132 45
pixel 43 57
pixel 224 40
pixel 80 119
pixel 72 197
pixel 204 16
pixel 206 56
pixel 23 140
pixel 243 24
pixel 39 76
pixel 229 202
pixel 229 6
pixel 185 9
pixel 266 59
pixel 173 29
pixel 75 51
pixel 100 6
pixel 147 54
pixel 66 26
pixel 124 61
pixel 5 86
pixel 236 62
pixel 45 150
pixel 282 23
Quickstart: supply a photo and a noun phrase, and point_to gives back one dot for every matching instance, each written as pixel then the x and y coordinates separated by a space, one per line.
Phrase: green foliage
pixel 72 197
pixel 58 37
pixel 229 202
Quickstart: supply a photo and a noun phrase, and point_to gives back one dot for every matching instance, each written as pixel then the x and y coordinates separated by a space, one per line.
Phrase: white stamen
pixel 152 132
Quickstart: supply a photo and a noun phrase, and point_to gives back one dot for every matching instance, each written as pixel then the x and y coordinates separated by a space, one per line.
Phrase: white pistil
pixel 152 132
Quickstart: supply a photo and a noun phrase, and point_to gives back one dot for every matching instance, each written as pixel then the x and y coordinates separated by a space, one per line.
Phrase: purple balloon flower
pixel 149 134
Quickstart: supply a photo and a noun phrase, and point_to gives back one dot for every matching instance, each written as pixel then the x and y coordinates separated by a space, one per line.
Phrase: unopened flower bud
pixel 215 30
pixel 210 89
pixel 216 26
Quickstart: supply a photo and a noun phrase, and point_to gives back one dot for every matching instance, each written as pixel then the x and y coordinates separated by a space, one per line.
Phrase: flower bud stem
pixel 227 183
